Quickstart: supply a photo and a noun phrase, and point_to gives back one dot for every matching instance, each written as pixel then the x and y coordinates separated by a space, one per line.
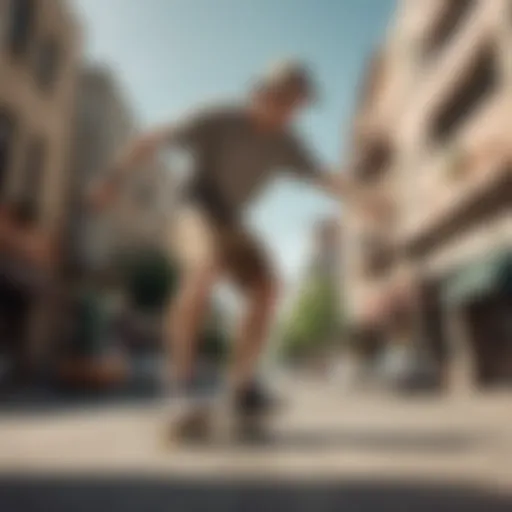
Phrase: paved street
pixel 328 448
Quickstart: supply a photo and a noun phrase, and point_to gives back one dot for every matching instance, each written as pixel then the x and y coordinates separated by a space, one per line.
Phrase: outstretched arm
pixel 304 164
pixel 143 148
pixel 137 152
pixel 335 183
pixel 340 186
pixel 190 132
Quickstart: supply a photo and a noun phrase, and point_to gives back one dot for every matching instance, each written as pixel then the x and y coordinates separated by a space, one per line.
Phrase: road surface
pixel 328 451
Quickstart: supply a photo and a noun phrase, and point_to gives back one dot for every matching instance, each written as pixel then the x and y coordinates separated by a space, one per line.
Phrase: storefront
pixel 463 259
pixel 480 294
pixel 21 300
pixel 27 293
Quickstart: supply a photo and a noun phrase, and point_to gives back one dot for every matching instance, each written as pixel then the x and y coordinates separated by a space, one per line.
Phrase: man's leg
pixel 248 264
pixel 184 321
pixel 195 246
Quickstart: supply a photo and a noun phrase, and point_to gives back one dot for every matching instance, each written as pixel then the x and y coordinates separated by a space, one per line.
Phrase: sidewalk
pixel 326 452
pixel 321 435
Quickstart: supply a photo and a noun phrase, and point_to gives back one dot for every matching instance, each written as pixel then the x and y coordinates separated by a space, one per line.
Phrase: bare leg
pixel 261 301
pixel 185 319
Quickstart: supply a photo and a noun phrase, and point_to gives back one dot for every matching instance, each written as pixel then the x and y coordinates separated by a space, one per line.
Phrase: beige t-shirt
pixel 234 158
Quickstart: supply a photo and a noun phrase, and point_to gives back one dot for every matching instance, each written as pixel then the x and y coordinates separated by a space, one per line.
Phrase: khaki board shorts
pixel 198 241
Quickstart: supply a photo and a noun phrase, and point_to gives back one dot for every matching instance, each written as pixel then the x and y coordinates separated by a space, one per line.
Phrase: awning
pixel 489 276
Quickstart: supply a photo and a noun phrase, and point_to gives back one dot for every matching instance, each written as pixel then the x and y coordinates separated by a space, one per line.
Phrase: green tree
pixel 150 279
pixel 315 319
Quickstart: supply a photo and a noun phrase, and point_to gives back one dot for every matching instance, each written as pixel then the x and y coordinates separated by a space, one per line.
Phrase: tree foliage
pixel 150 279
pixel 315 319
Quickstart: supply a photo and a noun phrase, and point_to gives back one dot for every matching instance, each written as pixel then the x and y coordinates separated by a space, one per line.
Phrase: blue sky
pixel 173 54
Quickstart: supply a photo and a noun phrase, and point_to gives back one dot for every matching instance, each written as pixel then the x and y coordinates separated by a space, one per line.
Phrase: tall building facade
pixel 105 122
pixel 430 134
pixel 39 56
pixel 40 47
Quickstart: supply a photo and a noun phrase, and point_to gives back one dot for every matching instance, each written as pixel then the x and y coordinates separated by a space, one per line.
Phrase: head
pixel 282 93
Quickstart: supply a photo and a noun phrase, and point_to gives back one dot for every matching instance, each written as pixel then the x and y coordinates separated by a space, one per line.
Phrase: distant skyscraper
pixel 326 256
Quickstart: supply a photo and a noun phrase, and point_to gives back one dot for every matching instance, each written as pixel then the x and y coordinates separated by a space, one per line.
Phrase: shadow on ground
pixel 50 399
pixel 402 441
pixel 45 401
pixel 140 494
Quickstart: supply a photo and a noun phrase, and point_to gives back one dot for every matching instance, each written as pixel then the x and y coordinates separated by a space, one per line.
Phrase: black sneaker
pixel 254 400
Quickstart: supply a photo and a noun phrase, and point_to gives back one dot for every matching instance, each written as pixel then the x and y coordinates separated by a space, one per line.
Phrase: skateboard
pixel 211 423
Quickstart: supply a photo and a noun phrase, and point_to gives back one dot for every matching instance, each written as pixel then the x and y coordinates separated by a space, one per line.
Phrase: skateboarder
pixel 236 150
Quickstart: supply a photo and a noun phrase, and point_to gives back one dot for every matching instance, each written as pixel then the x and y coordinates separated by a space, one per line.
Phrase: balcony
pixel 481 80
pixel 447 24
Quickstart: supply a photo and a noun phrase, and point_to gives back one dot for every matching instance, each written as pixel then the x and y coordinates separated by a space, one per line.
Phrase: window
pixel 47 58
pixel 479 83
pixel 450 19
pixel 34 174
pixel 21 20
pixel 7 132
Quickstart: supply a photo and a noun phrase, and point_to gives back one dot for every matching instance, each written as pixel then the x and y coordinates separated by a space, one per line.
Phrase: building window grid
pixel 449 22
pixel 483 79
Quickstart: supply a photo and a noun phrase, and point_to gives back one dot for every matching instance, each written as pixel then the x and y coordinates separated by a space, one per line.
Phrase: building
pixel 142 218
pixel 105 122
pixel 40 48
pixel 327 250
pixel 431 134
pixel 369 255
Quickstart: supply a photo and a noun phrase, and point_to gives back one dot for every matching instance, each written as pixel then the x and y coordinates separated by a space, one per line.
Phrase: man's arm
pixel 190 132
pixel 142 149
pixel 304 164
pixel 335 183
pixel 137 152
pixel 368 204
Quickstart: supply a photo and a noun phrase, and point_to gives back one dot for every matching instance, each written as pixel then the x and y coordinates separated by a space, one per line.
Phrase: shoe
pixel 255 400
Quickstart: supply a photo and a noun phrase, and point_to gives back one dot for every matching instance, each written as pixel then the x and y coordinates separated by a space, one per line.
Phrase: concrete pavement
pixel 325 440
